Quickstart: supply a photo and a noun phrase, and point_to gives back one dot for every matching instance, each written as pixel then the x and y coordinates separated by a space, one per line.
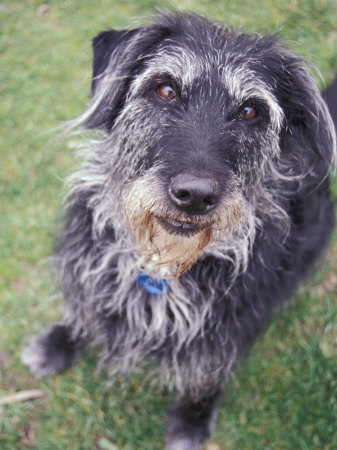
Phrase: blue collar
pixel 151 284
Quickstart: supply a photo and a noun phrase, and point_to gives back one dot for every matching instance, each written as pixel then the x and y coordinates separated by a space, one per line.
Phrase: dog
pixel 201 204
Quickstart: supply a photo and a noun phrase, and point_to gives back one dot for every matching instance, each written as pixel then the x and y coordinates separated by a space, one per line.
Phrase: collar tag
pixel 151 284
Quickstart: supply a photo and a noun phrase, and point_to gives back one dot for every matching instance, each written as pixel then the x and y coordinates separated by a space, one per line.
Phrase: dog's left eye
pixel 166 92
pixel 249 112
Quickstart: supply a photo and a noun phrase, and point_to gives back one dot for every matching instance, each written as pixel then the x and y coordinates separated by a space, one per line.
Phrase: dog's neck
pixel 151 284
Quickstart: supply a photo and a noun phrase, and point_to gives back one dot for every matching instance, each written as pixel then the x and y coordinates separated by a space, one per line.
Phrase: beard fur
pixel 167 253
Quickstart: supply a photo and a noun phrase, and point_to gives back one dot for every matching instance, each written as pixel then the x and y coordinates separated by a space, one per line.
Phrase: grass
pixel 284 395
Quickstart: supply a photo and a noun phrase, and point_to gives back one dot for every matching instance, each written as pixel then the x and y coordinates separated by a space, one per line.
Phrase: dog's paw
pixel 36 358
pixel 183 444
pixel 50 352
pixel 190 424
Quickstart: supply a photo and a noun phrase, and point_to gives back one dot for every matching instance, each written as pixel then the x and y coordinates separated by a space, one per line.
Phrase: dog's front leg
pixel 190 423
pixel 52 351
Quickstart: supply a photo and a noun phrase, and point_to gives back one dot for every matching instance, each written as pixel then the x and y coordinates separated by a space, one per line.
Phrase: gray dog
pixel 202 203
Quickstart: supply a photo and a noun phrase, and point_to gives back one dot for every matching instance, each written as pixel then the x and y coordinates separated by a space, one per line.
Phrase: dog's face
pixel 196 117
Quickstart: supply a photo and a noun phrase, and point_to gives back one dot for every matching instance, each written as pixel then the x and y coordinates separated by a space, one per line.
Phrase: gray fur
pixel 191 336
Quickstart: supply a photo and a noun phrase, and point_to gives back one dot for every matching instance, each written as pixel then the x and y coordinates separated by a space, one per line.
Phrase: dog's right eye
pixel 166 92
pixel 249 112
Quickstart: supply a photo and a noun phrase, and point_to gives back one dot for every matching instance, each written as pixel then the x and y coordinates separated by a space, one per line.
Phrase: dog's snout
pixel 194 195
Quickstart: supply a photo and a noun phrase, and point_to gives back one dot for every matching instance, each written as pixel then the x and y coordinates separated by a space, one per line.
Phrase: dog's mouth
pixel 180 227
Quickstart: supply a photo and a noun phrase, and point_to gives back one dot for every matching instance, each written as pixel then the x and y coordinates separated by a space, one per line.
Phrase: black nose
pixel 193 194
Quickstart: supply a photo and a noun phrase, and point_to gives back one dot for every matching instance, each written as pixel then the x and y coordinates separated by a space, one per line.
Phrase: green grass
pixel 284 395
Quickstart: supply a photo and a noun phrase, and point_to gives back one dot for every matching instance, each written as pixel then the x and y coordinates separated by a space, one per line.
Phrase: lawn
pixel 284 394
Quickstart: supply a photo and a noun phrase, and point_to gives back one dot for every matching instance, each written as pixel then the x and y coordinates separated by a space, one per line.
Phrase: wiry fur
pixel 167 250
pixel 248 254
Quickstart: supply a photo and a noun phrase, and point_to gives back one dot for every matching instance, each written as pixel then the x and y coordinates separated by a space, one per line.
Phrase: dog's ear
pixel 117 58
pixel 103 45
pixel 307 119
pixel 330 97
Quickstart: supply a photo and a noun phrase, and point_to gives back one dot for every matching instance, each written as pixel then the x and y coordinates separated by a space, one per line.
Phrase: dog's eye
pixel 166 92
pixel 249 112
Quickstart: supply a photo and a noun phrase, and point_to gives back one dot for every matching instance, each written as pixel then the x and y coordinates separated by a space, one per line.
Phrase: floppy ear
pixel 307 119
pixel 103 45
pixel 117 58
pixel 330 96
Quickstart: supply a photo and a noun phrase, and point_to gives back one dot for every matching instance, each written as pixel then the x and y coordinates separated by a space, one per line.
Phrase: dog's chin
pixel 179 227
pixel 170 244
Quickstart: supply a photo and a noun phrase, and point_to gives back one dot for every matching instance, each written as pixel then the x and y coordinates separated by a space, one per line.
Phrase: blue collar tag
pixel 151 284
